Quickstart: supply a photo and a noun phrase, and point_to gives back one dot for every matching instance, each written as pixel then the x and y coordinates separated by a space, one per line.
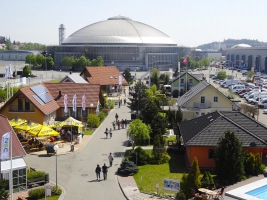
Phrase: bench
pixel 35 183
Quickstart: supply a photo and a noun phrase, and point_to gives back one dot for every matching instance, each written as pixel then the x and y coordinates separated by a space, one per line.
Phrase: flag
pixel 66 103
pixel 74 103
pixel 83 102
pixel 170 71
pixel 120 80
pixel 179 67
pixel 5 146
pixel 185 60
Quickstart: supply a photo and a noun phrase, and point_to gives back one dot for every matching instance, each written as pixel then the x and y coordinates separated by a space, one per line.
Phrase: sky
pixel 189 22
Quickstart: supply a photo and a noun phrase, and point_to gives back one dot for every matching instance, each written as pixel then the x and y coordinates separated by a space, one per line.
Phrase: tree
pixel 158 125
pixel 222 75
pixel 159 152
pixel 149 111
pixel 154 79
pixel 249 110
pixel 250 74
pixel 40 60
pixel 179 115
pixel 26 72
pixel 31 59
pixel 9 45
pixel 127 75
pixel 93 120
pixel 49 62
pixel 68 61
pixel 229 159
pixel 139 132
pixel 4 195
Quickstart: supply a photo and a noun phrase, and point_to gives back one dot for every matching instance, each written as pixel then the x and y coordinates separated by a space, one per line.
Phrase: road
pixel 76 172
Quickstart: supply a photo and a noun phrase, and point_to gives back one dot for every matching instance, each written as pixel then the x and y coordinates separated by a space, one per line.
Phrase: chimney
pixel 59 93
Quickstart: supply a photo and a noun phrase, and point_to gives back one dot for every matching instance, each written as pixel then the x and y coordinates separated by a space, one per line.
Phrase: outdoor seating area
pixel 206 194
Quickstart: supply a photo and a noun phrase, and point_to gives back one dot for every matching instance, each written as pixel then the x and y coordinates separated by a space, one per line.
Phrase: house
pixel 184 82
pixel 31 103
pixel 109 78
pixel 200 135
pixel 92 93
pixel 73 78
pixel 202 99
pixel 18 152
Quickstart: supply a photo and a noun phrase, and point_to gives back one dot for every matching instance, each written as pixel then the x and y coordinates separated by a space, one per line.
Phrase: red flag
pixel 185 60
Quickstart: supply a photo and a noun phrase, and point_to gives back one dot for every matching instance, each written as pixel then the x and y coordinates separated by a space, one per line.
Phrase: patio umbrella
pixel 69 122
pixel 17 121
pixel 43 131
pixel 26 126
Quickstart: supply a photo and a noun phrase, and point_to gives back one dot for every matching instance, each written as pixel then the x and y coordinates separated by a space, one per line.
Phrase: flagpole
pixel 186 76
pixel 11 168
pixel 179 79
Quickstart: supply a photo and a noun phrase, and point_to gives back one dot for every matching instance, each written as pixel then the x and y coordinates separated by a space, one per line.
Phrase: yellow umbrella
pixel 43 131
pixel 17 121
pixel 26 126
pixel 69 122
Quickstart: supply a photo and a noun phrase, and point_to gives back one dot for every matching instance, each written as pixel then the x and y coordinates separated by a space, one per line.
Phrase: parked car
pixel 264 111
pixel 235 88
pixel 255 101
pixel 263 103
pixel 244 91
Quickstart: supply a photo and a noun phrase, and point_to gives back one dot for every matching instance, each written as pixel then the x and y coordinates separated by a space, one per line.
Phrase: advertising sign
pixel 171 185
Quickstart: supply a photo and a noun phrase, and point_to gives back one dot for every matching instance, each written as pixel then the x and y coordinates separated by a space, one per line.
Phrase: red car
pixel 244 91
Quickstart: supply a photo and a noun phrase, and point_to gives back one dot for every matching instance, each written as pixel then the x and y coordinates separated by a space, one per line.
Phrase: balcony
pixel 15 108
pixel 202 105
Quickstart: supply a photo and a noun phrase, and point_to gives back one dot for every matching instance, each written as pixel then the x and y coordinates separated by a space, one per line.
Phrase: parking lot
pixel 237 76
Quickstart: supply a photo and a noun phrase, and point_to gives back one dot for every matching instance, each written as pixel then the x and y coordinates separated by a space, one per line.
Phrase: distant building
pixel 122 42
pixel 16 55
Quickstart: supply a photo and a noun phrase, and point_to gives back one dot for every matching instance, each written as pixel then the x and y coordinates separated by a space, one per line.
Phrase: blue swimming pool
pixel 260 192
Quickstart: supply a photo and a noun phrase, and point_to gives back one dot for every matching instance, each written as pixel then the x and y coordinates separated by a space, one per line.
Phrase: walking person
pixel 110 158
pixel 124 101
pixel 125 123
pixel 116 117
pixel 122 123
pixel 114 125
pixel 119 104
pixel 97 171
pixel 105 171
pixel 110 132
pixel 106 132
pixel 118 123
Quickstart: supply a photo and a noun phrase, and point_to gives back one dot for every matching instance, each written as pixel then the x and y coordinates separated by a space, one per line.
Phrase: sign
pixel 5 146
pixel 157 186
pixel 171 185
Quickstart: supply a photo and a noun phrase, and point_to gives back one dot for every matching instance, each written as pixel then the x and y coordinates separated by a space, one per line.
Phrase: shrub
pixel 127 168
pixel 105 110
pixel 93 120
pixel 26 71
pixel 102 116
pixel 252 164
pixel 37 193
pixel 142 156
pixel 56 190
pixel 35 174
pixel 180 195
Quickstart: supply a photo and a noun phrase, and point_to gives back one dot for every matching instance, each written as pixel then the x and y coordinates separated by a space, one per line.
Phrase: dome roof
pixel 118 30
pixel 240 46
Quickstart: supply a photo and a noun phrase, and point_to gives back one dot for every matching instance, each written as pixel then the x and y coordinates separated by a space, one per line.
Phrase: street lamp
pixel 56 147
pixel 91 106
pixel 60 73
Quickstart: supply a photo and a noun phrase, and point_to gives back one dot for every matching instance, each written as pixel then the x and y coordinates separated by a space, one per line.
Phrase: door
pixel 202 102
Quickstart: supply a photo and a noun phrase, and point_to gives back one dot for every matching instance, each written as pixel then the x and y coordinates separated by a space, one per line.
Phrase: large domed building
pixel 121 42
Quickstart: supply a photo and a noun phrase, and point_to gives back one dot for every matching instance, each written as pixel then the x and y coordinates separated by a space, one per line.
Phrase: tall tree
pixel 50 62
pixel 158 125
pixel 40 60
pixel 149 111
pixel 4 195
pixel 127 75
pixel 229 159
pixel 139 132
pixel 139 95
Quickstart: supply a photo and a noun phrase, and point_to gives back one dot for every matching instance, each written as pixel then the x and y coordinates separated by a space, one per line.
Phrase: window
pixel 211 153
pixel 190 82
pixel 202 99
pixel 27 105
pixel 182 82
pixel 215 99
pixel 20 104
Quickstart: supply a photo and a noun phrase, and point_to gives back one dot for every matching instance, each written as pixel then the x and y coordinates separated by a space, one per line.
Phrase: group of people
pixel 104 168
pixel 108 132
pixel 123 123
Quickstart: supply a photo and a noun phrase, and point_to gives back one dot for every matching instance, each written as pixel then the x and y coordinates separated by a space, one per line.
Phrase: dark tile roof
pixel 192 93
pixel 102 75
pixel 17 149
pixel 207 129
pixel 91 92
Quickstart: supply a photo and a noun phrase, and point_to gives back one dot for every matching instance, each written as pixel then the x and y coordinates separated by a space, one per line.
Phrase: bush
pixel 128 168
pixel 36 174
pixel 102 116
pixel 142 156
pixel 56 190
pixel 26 71
pixel 253 165
pixel 105 110
pixel 93 120
pixel 37 193
pixel 180 195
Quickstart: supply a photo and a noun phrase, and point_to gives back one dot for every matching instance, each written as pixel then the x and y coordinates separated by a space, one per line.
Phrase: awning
pixel 17 163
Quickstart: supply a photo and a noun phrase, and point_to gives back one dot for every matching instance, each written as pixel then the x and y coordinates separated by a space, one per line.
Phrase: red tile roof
pixel 102 75
pixel 91 92
pixel 17 149
pixel 46 108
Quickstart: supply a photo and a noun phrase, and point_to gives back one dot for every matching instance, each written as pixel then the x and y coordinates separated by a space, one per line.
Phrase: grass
pixel 55 81
pixel 55 197
pixel 88 132
pixel 173 138
pixel 153 174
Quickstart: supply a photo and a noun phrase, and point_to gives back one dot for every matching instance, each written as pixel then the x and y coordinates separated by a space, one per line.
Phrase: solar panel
pixel 38 89
pixel 38 99
pixel 45 97
pixel 41 93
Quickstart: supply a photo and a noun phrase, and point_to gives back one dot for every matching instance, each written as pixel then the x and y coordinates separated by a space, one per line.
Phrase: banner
pixel 83 102
pixel 120 80
pixel 74 105
pixel 170 71
pixel 5 146
pixel 185 61
pixel 65 103
pixel 179 67
pixel 171 185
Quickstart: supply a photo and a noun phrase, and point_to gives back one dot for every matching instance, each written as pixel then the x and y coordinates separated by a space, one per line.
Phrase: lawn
pixel 88 132
pixel 153 174
pixel 56 197
pixel 55 81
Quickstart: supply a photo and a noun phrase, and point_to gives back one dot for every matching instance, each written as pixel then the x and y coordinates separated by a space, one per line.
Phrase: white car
pixel 264 111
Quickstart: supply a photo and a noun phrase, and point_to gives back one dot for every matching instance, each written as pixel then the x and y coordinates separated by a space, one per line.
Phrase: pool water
pixel 260 192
